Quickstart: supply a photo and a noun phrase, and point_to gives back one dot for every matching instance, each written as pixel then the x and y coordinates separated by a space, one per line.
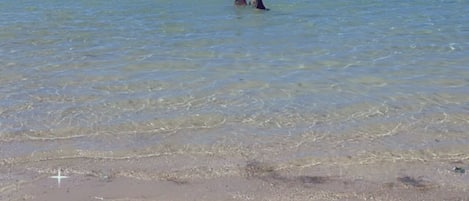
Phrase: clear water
pixel 307 78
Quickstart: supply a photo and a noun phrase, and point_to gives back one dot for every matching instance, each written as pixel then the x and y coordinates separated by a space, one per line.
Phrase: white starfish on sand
pixel 59 177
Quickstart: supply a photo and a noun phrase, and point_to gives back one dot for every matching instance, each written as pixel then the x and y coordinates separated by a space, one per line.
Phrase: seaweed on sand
pixel 267 172
pixel 416 183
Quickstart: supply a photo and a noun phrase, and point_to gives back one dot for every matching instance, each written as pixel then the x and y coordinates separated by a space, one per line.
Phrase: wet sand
pixel 212 176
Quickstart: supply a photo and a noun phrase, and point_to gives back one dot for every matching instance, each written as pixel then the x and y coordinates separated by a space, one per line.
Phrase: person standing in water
pixel 254 3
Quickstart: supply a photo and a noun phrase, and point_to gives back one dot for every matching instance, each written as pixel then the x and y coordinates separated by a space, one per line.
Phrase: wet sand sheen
pixel 219 173
pixel 266 187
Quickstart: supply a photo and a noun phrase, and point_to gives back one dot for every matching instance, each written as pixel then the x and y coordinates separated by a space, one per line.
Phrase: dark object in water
pixel 459 170
pixel 259 4
pixel 254 3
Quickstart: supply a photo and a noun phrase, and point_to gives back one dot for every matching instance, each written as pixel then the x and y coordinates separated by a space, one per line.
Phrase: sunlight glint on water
pixel 118 75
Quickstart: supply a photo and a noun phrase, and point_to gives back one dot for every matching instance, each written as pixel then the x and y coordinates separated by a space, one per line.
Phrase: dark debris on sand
pixel 267 172
pixel 415 182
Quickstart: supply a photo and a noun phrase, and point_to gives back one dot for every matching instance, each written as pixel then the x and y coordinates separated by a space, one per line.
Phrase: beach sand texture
pixel 226 173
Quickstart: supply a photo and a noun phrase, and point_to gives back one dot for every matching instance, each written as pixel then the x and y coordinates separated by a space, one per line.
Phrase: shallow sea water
pixel 324 84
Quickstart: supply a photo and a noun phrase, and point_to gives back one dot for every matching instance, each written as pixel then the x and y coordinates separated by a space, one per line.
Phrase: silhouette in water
pixel 254 3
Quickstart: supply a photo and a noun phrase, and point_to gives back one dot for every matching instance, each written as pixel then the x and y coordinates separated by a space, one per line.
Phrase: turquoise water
pixel 123 75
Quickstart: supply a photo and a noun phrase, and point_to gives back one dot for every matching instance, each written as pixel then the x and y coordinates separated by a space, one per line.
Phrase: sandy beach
pixel 208 175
